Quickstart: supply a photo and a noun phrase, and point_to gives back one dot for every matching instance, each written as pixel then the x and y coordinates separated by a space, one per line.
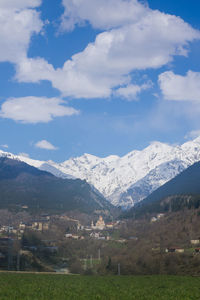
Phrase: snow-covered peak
pixel 191 144
pixel 196 140
pixel 114 175
pixel 29 161
pixel 111 158
pixel 158 145
pixel 6 154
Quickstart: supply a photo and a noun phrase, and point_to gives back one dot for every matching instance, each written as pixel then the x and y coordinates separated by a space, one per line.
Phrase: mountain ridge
pixel 182 191
pixel 117 178
pixel 22 184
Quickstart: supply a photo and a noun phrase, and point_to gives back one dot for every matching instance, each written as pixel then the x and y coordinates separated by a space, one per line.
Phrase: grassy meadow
pixel 48 286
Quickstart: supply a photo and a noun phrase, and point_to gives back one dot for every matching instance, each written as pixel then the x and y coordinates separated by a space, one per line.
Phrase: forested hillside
pixel 24 185
pixel 180 192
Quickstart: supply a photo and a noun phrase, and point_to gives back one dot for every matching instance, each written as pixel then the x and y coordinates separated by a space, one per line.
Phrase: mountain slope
pixel 21 184
pixel 152 181
pixel 125 180
pixel 186 183
pixel 181 191
pixel 113 175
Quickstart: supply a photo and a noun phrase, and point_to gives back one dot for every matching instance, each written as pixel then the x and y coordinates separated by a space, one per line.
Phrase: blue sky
pixel 100 77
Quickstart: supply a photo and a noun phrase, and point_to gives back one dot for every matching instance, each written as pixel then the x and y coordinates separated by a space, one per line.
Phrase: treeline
pixel 173 195
pixel 169 204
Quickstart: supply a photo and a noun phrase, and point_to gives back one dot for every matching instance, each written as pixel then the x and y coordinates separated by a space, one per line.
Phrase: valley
pixel 48 223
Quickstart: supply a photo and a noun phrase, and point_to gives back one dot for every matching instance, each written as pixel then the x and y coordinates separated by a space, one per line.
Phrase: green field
pixel 42 286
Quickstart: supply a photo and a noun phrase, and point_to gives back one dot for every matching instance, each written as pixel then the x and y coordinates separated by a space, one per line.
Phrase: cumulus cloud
pixel 34 70
pixel 104 14
pixel 19 4
pixel 180 88
pixel 45 145
pixel 131 91
pixel 110 61
pixel 135 38
pixel 35 109
pixel 18 22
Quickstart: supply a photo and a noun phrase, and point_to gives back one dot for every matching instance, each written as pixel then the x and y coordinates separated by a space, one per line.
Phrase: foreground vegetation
pixel 42 286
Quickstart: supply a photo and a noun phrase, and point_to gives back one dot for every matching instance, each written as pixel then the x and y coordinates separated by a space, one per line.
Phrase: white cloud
pixel 34 70
pixel 193 134
pixel 35 109
pixel 180 88
pixel 106 64
pixel 19 4
pixel 45 145
pixel 18 22
pixel 104 14
pixel 24 154
pixel 131 91
pixel 5 146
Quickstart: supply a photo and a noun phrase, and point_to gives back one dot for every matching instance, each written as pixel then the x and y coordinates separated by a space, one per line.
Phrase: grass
pixel 62 287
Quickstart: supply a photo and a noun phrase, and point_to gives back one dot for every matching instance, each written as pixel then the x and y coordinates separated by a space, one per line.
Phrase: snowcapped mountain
pixel 48 166
pixel 148 169
pixel 128 179
pixel 151 182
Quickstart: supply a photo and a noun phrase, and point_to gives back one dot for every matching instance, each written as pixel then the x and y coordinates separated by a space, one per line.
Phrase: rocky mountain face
pixel 125 180
pixel 151 182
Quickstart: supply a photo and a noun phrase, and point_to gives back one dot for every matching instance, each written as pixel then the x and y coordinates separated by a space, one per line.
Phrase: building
pixel 133 238
pixel 100 224
pixel 194 242
pixel 45 226
pixel 40 225
pixel 68 235
pixel 174 250
pixel 22 226
pixel 110 225
pixel 73 236
pixel 7 229
pixel 121 241
pixel 159 216
pixel 153 219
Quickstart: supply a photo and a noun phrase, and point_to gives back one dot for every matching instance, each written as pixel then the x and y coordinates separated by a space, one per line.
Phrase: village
pixel 99 230
pixel 44 235
pixel 48 237
pixel 46 223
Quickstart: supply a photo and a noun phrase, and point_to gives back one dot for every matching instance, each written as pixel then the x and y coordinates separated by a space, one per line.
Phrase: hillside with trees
pixel 181 192
pixel 22 185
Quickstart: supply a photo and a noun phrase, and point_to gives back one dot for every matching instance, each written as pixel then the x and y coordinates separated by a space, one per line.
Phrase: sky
pixel 103 77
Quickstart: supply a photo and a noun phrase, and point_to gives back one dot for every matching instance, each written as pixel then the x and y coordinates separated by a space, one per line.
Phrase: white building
pixel 100 224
